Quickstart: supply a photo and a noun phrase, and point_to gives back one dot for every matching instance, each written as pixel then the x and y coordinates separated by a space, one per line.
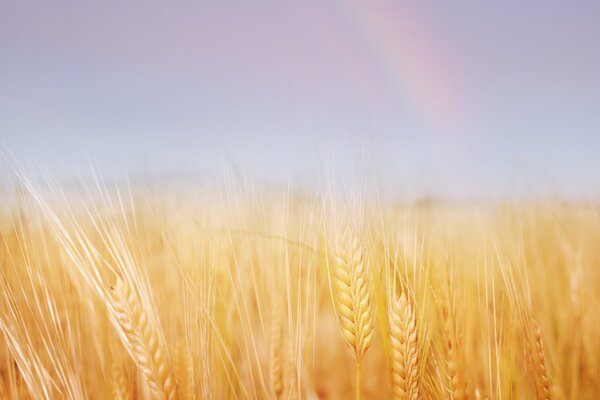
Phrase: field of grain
pixel 246 294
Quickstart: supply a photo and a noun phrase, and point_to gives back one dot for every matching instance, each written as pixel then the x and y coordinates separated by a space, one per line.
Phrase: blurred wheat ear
pixel 275 361
pixel 536 358
pixel 183 372
pixel 457 379
pixel 120 385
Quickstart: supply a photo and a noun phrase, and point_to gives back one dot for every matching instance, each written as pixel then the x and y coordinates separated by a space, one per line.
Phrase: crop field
pixel 249 295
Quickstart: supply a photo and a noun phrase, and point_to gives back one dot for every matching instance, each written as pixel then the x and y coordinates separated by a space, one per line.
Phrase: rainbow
pixel 409 59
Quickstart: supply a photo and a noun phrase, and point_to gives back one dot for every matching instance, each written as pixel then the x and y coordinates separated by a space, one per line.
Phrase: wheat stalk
pixel 142 340
pixel 405 359
pixel 352 298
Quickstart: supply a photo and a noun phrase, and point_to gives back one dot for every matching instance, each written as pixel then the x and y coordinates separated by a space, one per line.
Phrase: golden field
pixel 245 294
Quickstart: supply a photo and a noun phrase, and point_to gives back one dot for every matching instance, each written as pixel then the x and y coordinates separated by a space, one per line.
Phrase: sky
pixel 434 98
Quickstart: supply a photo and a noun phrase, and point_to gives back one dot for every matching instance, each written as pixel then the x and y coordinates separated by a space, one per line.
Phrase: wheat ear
pixel 291 380
pixel 541 379
pixel 405 359
pixel 119 383
pixel 457 381
pixel 352 298
pixel 183 372
pixel 276 350
pixel 142 341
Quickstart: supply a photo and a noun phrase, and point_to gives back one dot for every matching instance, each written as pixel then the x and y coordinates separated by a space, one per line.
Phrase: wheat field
pixel 249 294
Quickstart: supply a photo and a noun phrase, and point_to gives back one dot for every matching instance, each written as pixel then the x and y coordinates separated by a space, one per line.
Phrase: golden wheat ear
pixel 290 377
pixel 352 295
pixel 458 387
pixel 404 346
pixel 120 387
pixel 276 349
pixel 183 372
pixel 141 340
pixel 537 363
pixel 352 298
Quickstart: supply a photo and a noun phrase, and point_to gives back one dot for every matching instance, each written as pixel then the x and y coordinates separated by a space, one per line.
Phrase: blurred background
pixel 472 100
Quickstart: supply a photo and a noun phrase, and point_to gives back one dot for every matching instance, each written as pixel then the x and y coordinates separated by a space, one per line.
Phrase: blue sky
pixel 465 99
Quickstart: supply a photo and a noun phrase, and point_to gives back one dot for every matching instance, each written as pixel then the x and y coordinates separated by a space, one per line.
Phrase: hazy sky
pixel 434 97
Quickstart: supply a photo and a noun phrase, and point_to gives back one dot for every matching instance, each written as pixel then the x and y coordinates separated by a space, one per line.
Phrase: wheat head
pixel 457 380
pixel 541 379
pixel 405 359
pixel 142 340
pixel 183 372
pixel 291 380
pixel 119 383
pixel 351 294
pixel 276 350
